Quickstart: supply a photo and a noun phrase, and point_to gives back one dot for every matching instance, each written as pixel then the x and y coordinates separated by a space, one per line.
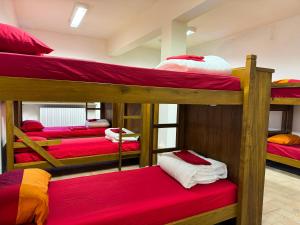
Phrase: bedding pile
pixel 188 172
pixel 113 134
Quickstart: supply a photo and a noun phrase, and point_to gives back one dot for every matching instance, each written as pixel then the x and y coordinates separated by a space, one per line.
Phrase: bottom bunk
pixel 140 196
pixel 284 154
pixel 73 151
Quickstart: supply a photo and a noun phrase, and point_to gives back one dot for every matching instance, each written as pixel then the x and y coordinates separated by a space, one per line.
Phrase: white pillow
pixel 211 65
pixel 97 123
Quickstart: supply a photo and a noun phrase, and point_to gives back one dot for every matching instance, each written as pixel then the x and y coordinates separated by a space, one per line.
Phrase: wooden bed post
pixel 9 111
pixel 146 136
pixel 256 83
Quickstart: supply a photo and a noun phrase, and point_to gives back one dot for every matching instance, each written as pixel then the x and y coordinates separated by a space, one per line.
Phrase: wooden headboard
pixel 287 118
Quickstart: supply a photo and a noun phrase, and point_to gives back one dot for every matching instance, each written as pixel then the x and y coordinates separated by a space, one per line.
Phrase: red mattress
pixel 144 196
pixel 45 67
pixel 289 151
pixel 76 147
pixel 66 132
pixel 285 92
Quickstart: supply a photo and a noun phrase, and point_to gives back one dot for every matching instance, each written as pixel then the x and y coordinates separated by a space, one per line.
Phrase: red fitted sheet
pixel 76 147
pixel 144 196
pixel 66 132
pixel 285 92
pixel 290 151
pixel 45 67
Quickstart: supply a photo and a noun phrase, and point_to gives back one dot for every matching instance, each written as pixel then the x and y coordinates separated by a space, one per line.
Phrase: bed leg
pixel 257 86
pixel 146 136
pixel 9 111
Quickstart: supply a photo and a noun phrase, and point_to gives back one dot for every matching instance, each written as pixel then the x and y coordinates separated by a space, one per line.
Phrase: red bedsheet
pixel 76 147
pixel 45 67
pixel 66 132
pixel 285 92
pixel 144 196
pixel 290 151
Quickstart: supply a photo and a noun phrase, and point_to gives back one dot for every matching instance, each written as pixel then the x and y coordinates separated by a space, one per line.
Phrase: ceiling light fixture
pixel 190 31
pixel 78 14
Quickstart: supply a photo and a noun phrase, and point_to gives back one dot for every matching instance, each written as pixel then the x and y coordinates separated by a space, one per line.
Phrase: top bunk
pixel 286 92
pixel 43 78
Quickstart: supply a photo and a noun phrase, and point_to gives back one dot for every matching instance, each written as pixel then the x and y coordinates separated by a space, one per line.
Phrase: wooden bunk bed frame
pixel 286 128
pixel 239 123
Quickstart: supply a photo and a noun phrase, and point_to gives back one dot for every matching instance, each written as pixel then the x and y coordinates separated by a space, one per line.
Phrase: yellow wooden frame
pixel 284 160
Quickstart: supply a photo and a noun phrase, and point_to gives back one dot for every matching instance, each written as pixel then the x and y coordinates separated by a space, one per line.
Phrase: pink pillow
pixel 13 39
pixel 31 125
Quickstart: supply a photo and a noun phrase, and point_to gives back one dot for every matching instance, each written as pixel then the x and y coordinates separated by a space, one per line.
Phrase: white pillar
pixel 173 39
pixel 173 42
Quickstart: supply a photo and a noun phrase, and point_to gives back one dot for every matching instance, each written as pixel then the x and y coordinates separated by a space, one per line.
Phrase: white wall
pixel 80 47
pixel 277 46
pixel 8 16
pixel 7 12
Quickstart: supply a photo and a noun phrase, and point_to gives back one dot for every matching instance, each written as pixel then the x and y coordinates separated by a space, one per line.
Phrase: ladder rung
pixel 132 117
pixel 131 135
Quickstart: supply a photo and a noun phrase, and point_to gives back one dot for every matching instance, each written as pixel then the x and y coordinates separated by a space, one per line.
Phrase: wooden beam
pixel 9 111
pixel 257 89
pixel 211 217
pixel 285 101
pixel 284 160
pixel 80 160
pixel 38 149
pixel 74 91
pixel 40 143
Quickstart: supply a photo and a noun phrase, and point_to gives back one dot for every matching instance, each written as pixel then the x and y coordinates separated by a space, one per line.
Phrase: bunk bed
pixel 219 109
pixel 37 129
pixel 280 153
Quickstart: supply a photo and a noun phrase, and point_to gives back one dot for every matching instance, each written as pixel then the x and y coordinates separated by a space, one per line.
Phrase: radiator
pixel 62 116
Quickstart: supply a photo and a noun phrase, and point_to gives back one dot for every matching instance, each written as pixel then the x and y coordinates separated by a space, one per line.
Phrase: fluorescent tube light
pixel 190 31
pixel 78 14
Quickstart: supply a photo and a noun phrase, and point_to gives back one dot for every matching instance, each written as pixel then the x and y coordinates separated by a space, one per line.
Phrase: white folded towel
pixel 188 174
pixel 114 137
pixel 97 123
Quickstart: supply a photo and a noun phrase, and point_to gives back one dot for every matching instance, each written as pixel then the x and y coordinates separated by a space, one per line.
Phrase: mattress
pixel 45 67
pixel 67 132
pixel 77 147
pixel 144 196
pixel 289 151
pixel 286 92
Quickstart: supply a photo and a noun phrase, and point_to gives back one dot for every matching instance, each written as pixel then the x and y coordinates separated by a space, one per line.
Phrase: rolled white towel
pixel 188 174
pixel 97 123
pixel 114 137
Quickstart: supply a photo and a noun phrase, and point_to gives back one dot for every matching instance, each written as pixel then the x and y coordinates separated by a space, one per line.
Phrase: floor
pixel 281 199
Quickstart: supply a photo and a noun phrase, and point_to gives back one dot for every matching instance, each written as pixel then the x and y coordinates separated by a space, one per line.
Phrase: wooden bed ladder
pixel 144 135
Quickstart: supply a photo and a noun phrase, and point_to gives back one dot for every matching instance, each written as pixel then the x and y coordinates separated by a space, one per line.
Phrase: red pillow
pixel 188 57
pixel 13 39
pixel 31 125
pixel 191 158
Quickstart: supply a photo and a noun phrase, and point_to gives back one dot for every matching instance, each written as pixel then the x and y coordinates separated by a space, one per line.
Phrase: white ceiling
pixel 234 16
pixel 104 17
